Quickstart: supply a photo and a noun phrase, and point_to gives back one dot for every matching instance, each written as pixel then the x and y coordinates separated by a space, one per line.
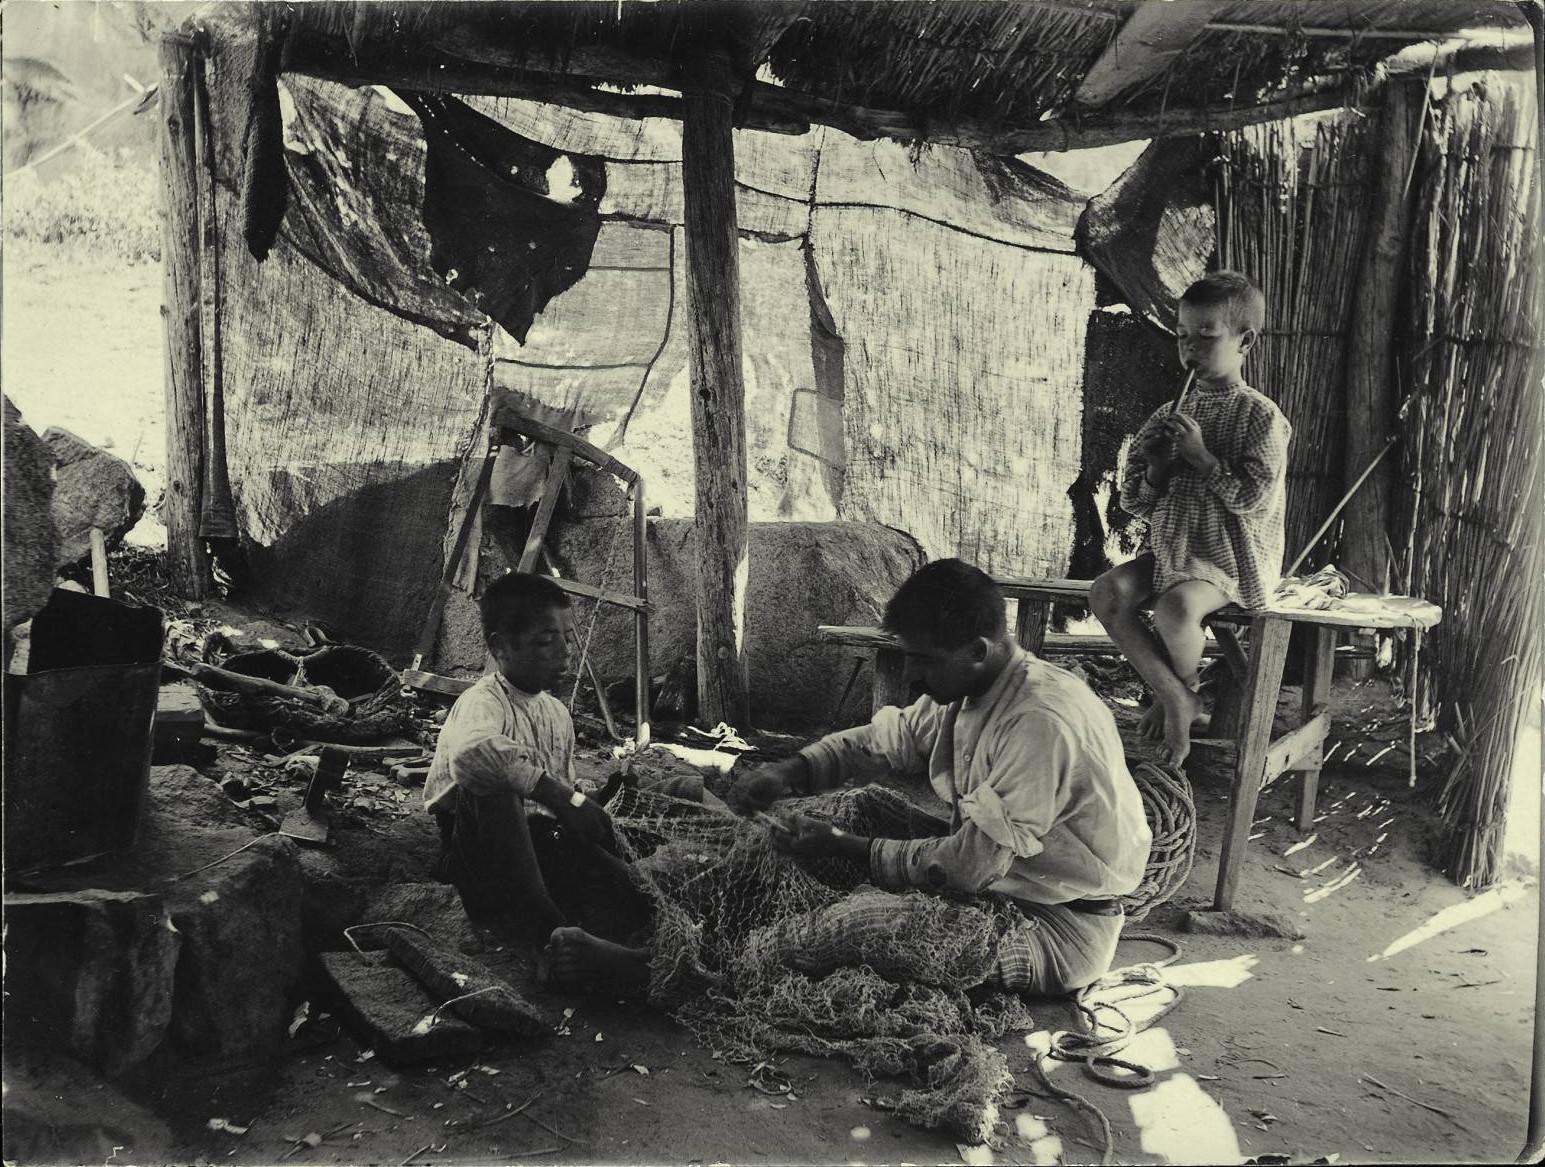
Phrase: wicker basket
pixel 372 688
pixel 1172 818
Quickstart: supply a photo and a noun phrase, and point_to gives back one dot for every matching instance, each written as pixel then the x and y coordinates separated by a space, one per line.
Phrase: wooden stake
pixel 718 390
pixel 99 562
pixel 187 569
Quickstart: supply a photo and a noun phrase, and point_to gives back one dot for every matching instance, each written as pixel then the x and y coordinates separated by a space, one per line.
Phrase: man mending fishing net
pixel 1043 810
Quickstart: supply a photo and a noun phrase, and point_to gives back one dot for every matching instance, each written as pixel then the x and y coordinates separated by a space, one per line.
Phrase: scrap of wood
pixel 1369 1078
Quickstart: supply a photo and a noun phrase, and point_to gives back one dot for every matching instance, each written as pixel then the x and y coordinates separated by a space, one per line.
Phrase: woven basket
pixel 1172 818
pixel 372 688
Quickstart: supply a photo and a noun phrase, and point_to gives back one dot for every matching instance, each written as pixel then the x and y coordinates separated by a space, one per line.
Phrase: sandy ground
pixel 1397 1030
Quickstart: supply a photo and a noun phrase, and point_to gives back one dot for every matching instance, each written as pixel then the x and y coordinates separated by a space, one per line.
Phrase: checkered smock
pixel 1225 528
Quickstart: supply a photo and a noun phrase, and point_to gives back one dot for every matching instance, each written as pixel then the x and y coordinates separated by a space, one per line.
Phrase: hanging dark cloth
pixel 498 235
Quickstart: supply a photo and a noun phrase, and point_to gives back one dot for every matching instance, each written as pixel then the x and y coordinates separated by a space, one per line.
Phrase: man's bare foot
pixel 1179 713
pixel 574 956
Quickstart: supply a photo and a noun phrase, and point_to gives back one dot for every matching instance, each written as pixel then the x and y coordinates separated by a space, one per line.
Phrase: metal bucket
pixel 79 728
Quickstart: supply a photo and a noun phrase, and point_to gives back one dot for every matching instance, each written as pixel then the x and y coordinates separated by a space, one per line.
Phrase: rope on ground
pixel 1096 1053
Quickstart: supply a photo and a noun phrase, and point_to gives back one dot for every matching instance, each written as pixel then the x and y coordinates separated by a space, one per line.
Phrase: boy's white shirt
pixel 498 737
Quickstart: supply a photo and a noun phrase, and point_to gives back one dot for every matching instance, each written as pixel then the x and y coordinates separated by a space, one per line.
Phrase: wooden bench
pixel 1259 759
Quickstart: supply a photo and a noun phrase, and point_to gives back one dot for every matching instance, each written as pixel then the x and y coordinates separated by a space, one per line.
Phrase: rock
pixel 392 1013
pixel 434 907
pixel 92 489
pixel 1252 924
pixel 90 972
pixel 31 539
pixel 800 575
pixel 57 1111
pixel 241 950
pixel 237 912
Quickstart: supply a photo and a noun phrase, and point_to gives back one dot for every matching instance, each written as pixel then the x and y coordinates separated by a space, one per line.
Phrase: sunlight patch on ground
pixel 1154 1048
pixel 1451 917
pixel 1214 974
pixel 1181 1123
pixel 1031 1129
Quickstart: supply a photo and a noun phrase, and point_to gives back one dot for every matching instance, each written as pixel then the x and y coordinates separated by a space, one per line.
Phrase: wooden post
pixel 187 568
pixel 718 391
pixel 1370 345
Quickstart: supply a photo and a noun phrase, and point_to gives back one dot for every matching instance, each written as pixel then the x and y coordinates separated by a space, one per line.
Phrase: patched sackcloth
pixel 1227 527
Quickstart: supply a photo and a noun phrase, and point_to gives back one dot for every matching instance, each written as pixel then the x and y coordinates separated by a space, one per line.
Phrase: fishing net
pixel 757 954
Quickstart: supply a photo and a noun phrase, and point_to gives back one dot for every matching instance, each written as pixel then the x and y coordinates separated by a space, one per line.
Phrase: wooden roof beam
pixel 1150 40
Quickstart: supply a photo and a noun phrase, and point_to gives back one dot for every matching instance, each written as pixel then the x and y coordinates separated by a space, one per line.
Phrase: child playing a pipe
pixel 1209 474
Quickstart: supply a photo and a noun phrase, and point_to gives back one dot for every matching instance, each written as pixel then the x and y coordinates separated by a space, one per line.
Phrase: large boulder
pixel 92 489
pixel 800 575
pixel 31 539
pixel 232 896
pixel 90 972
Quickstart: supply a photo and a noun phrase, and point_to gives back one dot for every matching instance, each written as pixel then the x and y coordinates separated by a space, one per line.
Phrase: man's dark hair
pixel 514 602
pixel 1232 290
pixel 949 603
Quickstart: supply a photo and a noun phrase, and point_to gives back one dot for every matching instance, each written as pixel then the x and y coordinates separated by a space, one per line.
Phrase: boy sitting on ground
pixel 504 757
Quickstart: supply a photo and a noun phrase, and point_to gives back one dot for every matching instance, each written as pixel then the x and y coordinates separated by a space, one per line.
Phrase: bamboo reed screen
pixel 1292 210
pixel 1471 481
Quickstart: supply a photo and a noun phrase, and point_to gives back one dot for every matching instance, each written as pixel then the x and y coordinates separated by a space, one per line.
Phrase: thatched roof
pixel 1003 76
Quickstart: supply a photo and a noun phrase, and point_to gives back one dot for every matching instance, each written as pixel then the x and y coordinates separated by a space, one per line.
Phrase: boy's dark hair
pixel 512 603
pixel 1232 290
pixel 949 603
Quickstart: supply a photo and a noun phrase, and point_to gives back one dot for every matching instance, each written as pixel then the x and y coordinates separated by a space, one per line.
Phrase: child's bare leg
pixel 494 865
pixel 1178 616
pixel 1117 599
pixel 574 955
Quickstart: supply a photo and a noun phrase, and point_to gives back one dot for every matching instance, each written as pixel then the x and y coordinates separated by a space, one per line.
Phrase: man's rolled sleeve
pixel 967 861
pixel 894 740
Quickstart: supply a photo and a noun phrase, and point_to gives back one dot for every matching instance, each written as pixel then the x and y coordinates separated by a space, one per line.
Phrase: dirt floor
pixel 1397 1029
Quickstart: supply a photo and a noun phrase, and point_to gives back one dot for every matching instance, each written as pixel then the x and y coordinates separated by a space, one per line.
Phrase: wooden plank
pixel 590 591
pixel 1301 748
pixel 434 683
pixel 1317 683
pixel 717 388
pixel 1268 648
pixel 186 565
pixel 890 679
pixel 557 471
pixel 1143 47
pixel 506 419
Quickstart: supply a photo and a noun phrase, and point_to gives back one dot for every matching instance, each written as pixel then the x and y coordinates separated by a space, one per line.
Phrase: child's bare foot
pixel 575 956
pixel 1179 713
pixel 1150 727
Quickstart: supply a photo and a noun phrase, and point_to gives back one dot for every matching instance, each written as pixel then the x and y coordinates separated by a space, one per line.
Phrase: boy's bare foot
pixel 1150 727
pixel 575 956
pixel 1179 713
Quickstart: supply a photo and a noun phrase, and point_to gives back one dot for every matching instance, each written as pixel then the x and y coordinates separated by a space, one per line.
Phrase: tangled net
pixel 756 954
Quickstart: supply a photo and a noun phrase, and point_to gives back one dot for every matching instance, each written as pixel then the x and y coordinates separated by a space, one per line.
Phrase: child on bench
pixel 1211 481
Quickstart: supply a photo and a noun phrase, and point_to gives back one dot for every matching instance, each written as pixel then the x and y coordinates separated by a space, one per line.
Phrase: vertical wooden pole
pixel 1371 342
pixel 187 569
pixel 217 511
pixel 640 617
pixel 718 391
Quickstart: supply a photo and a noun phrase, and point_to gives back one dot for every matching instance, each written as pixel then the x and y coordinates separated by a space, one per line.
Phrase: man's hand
pixel 806 837
pixel 763 786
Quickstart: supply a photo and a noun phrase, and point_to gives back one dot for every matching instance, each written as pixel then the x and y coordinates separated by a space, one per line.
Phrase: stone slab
pixel 388 1009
